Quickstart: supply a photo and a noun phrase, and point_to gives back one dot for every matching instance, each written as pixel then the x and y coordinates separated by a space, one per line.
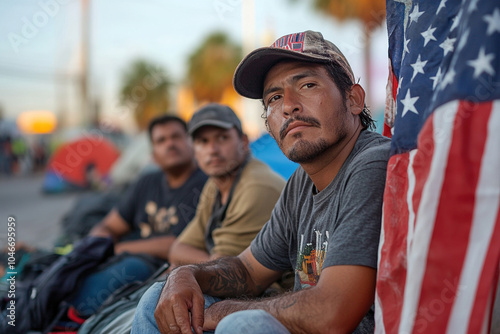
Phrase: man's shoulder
pixel 258 173
pixel 373 147
pixel 197 177
pixel 151 177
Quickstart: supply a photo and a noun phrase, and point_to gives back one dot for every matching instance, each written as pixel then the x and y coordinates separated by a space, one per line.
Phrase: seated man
pixel 160 204
pixel 151 215
pixel 326 224
pixel 238 197
pixel 235 203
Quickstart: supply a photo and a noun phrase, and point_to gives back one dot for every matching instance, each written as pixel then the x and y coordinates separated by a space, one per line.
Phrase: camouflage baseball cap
pixel 308 46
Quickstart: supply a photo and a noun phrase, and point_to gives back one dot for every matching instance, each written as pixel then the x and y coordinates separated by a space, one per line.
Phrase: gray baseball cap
pixel 214 114
pixel 308 46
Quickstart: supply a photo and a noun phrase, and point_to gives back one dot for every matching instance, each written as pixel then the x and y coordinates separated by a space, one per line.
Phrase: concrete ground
pixel 37 215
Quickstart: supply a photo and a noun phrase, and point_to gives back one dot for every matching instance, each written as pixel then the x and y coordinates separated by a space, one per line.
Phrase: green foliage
pixel 145 89
pixel 211 67
pixel 370 12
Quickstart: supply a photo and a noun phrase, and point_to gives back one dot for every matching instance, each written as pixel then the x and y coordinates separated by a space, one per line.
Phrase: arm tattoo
pixel 289 303
pixel 227 277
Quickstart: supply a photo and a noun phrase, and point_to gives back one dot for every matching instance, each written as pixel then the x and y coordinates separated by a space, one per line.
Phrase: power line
pixel 33 74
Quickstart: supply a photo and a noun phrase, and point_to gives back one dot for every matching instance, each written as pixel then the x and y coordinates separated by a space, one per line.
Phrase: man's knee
pixel 144 313
pixel 250 321
pixel 150 298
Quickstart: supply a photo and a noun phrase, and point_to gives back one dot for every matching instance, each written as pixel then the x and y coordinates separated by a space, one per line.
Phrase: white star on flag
pixel 463 40
pixel 405 49
pixel 428 35
pixel 493 22
pixel 435 79
pixel 472 6
pixel 442 4
pixel 409 104
pixel 448 79
pixel 418 67
pixel 415 14
pixel 482 63
pixel 456 20
pixel 447 45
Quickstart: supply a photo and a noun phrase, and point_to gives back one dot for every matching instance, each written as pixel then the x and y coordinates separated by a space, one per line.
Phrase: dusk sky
pixel 40 43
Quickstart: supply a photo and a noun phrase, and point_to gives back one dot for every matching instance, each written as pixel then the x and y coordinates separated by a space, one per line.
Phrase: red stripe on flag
pixel 487 282
pixel 392 269
pixel 391 91
pixel 393 255
pixel 422 162
pixel 395 85
pixel 386 131
pixel 454 215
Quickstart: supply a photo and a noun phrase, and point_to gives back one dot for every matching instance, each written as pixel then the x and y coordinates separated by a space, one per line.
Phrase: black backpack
pixel 41 302
pixel 116 313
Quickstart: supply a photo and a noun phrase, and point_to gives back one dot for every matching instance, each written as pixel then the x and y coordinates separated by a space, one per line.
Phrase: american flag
pixel 440 244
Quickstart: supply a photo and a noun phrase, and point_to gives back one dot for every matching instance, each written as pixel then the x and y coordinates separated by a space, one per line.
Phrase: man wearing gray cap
pixel 326 224
pixel 238 197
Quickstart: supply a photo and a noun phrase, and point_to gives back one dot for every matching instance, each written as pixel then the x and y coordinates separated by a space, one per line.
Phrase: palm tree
pixel 370 12
pixel 211 67
pixel 146 90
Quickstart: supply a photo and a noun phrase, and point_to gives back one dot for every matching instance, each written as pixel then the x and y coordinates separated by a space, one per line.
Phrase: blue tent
pixel 266 150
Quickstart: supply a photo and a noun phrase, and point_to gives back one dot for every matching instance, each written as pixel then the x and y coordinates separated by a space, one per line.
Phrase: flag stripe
pixel 470 144
pixel 487 224
pixel 392 249
pixel 379 317
pixel 427 209
pixel 449 240
pixel 410 200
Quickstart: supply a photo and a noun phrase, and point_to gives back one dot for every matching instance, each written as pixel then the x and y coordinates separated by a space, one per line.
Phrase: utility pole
pixel 85 117
pixel 251 116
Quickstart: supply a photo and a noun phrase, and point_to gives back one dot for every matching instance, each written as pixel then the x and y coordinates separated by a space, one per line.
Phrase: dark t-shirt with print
pixel 152 208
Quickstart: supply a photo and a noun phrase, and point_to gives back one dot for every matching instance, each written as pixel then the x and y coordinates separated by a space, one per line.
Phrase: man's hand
pixel 217 311
pixel 113 225
pixel 211 319
pixel 158 246
pixel 181 298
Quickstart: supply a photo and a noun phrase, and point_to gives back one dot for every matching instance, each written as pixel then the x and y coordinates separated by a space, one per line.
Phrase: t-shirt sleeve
pixel 355 240
pixel 194 233
pixel 128 205
pixel 270 247
pixel 249 209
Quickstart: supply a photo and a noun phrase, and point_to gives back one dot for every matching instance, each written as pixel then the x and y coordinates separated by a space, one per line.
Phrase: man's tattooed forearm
pixel 230 280
pixel 289 302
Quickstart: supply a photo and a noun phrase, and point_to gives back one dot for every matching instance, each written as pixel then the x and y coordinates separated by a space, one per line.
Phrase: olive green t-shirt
pixel 250 207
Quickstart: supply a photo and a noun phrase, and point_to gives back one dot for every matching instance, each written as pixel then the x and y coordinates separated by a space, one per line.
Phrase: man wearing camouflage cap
pixel 326 224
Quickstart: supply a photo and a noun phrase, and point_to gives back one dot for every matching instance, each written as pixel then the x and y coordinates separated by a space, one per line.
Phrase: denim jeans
pixel 242 322
pixel 99 285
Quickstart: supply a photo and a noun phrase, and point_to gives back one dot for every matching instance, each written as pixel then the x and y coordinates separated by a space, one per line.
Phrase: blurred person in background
pixel 238 197
pixel 151 215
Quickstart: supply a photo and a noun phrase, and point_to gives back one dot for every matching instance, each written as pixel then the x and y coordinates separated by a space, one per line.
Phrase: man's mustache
pixel 308 120
pixel 173 149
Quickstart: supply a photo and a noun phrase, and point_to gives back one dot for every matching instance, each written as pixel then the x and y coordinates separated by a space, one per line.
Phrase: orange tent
pixel 80 163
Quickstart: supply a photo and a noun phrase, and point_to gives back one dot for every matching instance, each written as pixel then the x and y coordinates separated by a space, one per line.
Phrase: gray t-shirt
pixel 309 231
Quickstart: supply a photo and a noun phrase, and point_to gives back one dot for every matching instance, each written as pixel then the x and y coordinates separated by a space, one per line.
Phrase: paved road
pixel 37 215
